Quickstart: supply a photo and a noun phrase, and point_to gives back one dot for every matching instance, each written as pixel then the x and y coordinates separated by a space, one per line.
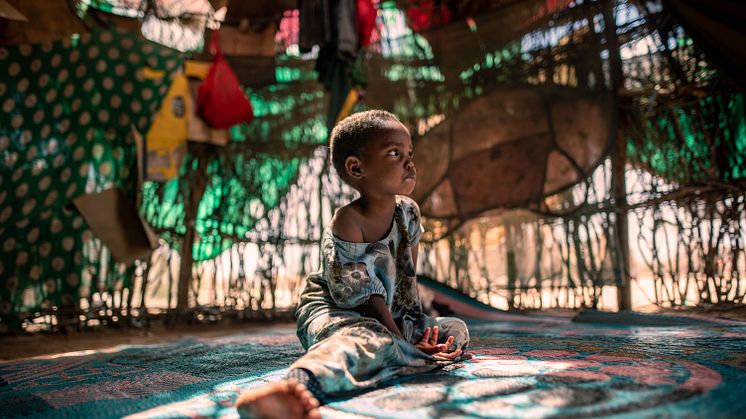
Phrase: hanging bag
pixel 220 100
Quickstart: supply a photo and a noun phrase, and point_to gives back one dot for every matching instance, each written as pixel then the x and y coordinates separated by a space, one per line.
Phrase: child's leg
pixel 359 354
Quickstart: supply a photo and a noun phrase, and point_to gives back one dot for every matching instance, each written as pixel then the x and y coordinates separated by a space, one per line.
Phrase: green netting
pixel 68 108
pixel 692 143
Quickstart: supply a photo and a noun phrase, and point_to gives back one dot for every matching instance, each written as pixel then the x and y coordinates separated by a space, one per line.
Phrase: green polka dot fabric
pixel 68 109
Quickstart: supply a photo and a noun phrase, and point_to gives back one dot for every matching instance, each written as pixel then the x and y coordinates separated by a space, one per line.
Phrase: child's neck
pixel 377 206
pixel 377 213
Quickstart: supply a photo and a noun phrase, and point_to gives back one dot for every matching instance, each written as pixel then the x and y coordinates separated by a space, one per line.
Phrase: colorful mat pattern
pixel 520 369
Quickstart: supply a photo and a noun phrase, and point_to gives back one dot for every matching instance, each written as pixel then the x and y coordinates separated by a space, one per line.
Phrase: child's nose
pixel 409 163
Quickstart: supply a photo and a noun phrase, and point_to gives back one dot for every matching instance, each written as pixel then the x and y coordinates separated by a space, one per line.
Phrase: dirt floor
pixel 16 347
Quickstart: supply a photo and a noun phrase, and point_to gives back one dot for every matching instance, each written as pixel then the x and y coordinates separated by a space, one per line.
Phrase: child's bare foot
pixel 286 399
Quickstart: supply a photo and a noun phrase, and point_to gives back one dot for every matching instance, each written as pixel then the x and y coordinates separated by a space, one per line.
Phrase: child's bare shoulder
pixel 346 224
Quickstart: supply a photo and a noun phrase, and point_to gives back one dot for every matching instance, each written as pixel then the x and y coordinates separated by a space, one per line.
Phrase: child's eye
pixel 393 152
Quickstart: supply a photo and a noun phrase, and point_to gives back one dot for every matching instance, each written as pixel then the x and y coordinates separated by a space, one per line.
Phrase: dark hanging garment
pixel 315 25
pixel 347 41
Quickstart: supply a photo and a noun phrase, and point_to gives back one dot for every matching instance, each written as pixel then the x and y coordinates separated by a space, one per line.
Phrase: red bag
pixel 220 100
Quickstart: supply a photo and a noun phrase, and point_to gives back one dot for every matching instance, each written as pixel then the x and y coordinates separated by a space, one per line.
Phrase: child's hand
pixel 429 344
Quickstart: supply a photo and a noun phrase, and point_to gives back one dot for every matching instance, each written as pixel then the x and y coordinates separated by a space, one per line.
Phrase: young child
pixel 360 316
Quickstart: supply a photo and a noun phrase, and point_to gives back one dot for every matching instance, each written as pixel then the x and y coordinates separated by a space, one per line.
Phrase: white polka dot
pixel 45 248
pixel 152 61
pixel 3 88
pixel 98 151
pixel 33 235
pixel 96 99
pixel 35 272
pixel 22 223
pixel 51 198
pixel 108 83
pixel 124 119
pixel 77 222
pixel 72 279
pixel 51 95
pixel 75 105
pixel 147 93
pixel 4 142
pixel 105 168
pixel 17 174
pixel 26 137
pixel 52 145
pixel 105 37
pixel 83 170
pixel 44 131
pixel 63 75
pixel 74 56
pixel 3 53
pixel 30 101
pixel 45 214
pixel 64 125
pixel 69 90
pixel 135 106
pixel 9 245
pixel 14 69
pixel 103 115
pixel 50 284
pixel 44 183
pixel 87 235
pixel 128 87
pixel 65 174
pixel 28 206
pixel 133 58
pixel 56 226
pixel 115 101
pixel 55 60
pixel 43 80
pixel 120 69
pixel 80 71
pixel 93 52
pixel 71 138
pixel 16 121
pixel 8 105
pixel 5 214
pixel 57 110
pixel 38 166
pixel 58 161
pixel 101 66
pixel 3 194
pixel 22 85
pixel 38 116
pixel 71 190
pixel 88 85
pixel 78 257
pixel 85 118
pixel 11 158
pixel 35 65
pixel 127 43
pixel 78 153
pixel 13 282
pixel 22 257
pixel 112 53
pixel 24 49
pixel 46 46
pixel 68 243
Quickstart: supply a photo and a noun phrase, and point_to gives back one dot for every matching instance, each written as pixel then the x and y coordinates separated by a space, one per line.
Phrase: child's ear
pixel 354 167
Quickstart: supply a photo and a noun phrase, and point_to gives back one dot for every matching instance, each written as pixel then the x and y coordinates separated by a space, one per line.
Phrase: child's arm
pixel 377 309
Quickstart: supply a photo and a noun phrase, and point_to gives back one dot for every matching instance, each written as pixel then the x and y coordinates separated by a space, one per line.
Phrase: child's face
pixel 387 163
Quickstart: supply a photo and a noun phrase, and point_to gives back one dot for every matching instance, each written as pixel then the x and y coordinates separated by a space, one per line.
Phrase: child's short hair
pixel 353 133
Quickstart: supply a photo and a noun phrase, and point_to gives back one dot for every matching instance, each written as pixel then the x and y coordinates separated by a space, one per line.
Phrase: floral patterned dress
pixel 347 351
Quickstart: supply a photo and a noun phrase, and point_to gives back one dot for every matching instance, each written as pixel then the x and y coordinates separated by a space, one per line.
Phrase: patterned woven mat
pixel 520 369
